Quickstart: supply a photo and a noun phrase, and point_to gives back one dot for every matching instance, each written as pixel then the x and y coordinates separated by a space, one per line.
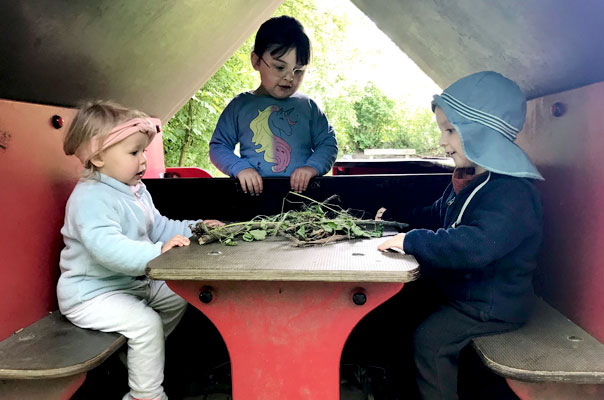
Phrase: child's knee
pixel 177 307
pixel 181 303
pixel 420 339
pixel 152 325
pixel 425 342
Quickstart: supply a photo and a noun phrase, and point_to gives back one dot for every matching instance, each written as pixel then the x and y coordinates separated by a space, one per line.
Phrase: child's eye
pixel 279 67
pixel 450 131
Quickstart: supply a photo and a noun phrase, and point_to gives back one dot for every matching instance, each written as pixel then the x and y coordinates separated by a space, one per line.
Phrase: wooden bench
pixel 548 358
pixel 52 354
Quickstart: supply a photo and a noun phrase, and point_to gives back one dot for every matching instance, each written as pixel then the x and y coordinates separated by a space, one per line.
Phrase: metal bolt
pixel 206 296
pixel 57 121
pixel 558 109
pixel 359 298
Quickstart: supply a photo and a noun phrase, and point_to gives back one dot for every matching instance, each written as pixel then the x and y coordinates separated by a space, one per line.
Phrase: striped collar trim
pixel 473 114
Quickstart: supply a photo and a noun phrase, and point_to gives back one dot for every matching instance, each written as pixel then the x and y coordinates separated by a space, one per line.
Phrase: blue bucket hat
pixel 488 111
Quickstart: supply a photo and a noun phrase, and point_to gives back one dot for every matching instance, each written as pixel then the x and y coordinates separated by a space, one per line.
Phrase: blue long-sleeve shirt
pixel 110 235
pixel 486 263
pixel 276 136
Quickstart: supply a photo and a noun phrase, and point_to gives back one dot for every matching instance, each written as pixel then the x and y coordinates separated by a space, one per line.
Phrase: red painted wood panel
pixel 569 150
pixel 36 179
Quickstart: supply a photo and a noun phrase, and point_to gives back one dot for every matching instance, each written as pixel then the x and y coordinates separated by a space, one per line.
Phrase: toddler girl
pixel 111 231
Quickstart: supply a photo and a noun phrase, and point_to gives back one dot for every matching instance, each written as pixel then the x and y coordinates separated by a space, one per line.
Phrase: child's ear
pixel 97 160
pixel 255 60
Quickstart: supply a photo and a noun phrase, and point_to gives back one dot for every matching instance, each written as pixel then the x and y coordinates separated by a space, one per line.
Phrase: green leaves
pixel 377 121
pixel 329 226
pixel 255 234
pixel 356 231
pixel 301 232
pixel 315 223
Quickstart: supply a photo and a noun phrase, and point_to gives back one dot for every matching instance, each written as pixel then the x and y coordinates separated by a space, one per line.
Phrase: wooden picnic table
pixel 284 312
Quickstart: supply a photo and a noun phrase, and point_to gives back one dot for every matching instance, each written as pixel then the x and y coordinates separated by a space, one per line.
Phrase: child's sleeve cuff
pixel 238 167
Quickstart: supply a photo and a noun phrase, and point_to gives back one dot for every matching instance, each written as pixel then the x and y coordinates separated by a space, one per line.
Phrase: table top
pixel 275 259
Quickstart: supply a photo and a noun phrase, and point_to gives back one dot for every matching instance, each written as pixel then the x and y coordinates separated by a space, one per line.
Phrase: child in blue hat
pixel 484 234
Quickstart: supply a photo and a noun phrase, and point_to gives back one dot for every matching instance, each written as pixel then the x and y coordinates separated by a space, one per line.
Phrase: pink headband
pixel 149 126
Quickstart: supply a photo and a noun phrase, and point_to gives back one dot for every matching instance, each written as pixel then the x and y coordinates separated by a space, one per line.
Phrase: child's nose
pixel 442 142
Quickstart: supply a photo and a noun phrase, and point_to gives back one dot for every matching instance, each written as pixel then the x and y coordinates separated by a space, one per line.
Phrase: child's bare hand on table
pixel 176 241
pixel 394 242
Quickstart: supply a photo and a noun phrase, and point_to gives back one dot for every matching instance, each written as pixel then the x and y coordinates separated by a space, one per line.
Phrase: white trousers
pixel 146 316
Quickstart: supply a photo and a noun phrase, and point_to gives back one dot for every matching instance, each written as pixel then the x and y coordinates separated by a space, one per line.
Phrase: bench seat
pixel 53 348
pixel 549 348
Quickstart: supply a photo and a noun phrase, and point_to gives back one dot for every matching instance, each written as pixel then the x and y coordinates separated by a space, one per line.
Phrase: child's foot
pixel 162 396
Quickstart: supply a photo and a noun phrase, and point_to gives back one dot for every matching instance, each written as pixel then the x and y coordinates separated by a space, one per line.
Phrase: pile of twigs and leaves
pixel 316 223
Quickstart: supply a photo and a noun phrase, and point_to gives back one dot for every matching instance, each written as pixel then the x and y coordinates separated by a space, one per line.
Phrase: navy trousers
pixel 437 343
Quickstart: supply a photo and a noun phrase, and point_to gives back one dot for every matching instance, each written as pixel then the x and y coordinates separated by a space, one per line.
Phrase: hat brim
pixel 489 148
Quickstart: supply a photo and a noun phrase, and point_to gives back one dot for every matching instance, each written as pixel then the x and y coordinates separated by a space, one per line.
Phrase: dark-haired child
pixel 280 132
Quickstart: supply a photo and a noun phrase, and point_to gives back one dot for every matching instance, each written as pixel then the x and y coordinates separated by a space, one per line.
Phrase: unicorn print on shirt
pixel 269 128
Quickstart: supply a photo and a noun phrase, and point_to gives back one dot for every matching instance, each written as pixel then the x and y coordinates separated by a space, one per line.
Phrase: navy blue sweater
pixel 485 264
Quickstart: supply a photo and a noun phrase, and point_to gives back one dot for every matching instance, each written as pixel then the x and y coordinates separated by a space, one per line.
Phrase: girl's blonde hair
pixel 96 119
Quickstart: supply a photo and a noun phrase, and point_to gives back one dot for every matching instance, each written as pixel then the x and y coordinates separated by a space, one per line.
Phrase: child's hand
pixel 380 213
pixel 251 181
pixel 395 242
pixel 213 223
pixel 176 241
pixel 300 178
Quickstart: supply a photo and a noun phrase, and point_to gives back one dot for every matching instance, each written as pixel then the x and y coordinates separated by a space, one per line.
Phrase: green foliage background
pixel 363 117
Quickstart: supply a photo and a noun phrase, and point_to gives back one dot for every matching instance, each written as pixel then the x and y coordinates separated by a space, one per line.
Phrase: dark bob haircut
pixel 279 35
